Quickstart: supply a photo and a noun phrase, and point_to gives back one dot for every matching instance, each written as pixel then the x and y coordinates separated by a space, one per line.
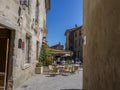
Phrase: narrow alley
pixel 59 82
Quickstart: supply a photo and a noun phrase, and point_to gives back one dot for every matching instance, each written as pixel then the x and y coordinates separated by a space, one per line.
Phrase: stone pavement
pixel 59 82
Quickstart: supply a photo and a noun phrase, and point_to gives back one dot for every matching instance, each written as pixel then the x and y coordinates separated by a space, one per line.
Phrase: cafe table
pixel 60 68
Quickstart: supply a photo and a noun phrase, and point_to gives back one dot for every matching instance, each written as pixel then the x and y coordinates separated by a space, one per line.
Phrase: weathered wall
pixel 78 42
pixel 67 40
pixel 25 70
pixel 102 50
pixel 9 13
pixel 9 18
pixel 74 41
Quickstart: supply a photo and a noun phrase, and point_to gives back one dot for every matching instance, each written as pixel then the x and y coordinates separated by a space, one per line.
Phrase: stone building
pixel 58 46
pixel 22 26
pixel 102 47
pixel 74 41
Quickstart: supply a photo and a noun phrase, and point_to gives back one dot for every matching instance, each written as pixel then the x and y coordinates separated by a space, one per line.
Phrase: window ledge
pixel 26 65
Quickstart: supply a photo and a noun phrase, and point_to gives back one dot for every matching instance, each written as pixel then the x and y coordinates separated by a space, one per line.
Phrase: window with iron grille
pixel 27 47
pixel 37 50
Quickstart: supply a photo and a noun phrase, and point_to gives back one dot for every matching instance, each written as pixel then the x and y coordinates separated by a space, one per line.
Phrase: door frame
pixel 5 34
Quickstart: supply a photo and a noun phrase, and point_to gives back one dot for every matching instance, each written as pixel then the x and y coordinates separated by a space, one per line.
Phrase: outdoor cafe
pixel 65 67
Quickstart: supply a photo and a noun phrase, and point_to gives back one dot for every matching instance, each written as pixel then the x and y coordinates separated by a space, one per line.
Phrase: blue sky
pixel 63 15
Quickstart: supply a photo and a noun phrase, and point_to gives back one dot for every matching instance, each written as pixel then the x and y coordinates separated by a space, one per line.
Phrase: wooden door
pixel 4 43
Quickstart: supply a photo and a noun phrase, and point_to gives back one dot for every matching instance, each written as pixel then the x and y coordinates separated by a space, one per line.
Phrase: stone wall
pixel 67 40
pixel 14 17
pixel 77 33
pixel 9 13
pixel 36 34
pixel 102 50
pixel 74 41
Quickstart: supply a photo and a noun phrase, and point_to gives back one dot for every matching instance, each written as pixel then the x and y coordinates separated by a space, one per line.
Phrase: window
pixel 27 47
pixel 75 34
pixel 37 50
pixel 75 43
pixel 37 12
pixel 79 42
pixel 78 54
pixel 79 33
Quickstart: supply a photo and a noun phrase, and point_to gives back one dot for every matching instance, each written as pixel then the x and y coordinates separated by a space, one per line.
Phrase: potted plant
pixel 39 68
pixel 45 58
pixel 68 62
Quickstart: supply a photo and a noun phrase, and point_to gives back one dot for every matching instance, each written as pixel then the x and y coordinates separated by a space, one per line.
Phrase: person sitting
pixel 58 61
pixel 63 62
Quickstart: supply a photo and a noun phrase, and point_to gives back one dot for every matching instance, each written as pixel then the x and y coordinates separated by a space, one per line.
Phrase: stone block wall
pixel 9 9
pixel 102 49
pixel 78 42
pixel 26 70
pixel 14 17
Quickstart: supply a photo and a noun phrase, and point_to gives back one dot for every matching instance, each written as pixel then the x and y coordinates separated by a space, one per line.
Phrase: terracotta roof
pixel 45 30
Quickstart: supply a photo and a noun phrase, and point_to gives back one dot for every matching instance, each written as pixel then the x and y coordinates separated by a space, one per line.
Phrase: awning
pixel 62 52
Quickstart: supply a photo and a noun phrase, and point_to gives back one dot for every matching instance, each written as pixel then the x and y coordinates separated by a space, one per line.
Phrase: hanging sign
pixel 23 45
pixel 84 40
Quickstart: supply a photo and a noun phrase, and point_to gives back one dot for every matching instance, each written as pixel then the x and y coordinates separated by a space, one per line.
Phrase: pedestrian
pixel 72 61
pixel 58 60
pixel 63 61
pixel 76 60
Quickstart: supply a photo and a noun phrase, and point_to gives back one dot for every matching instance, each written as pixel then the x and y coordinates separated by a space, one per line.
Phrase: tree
pixel 45 55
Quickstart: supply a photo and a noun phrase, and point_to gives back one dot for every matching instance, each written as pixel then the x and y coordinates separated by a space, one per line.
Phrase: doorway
pixel 4 47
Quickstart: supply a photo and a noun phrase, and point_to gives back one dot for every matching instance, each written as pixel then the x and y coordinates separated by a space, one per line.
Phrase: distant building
pixel 58 46
pixel 74 41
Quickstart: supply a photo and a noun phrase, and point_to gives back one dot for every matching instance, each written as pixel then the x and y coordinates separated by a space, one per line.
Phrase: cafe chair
pixel 53 70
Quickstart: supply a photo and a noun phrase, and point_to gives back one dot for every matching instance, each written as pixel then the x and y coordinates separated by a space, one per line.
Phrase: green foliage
pixel 44 52
pixel 47 61
pixel 68 62
pixel 45 55
pixel 39 64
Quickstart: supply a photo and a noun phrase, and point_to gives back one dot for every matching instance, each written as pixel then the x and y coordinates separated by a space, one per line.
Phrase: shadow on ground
pixel 71 89
pixel 53 75
pixel 50 76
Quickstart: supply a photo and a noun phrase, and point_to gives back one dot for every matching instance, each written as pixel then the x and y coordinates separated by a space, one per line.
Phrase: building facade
pixel 102 47
pixel 22 25
pixel 58 46
pixel 74 41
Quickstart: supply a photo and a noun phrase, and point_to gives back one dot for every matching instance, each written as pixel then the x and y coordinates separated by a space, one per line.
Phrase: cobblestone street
pixel 59 82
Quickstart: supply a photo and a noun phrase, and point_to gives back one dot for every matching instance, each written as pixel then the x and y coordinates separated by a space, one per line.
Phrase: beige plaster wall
pixel 102 49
